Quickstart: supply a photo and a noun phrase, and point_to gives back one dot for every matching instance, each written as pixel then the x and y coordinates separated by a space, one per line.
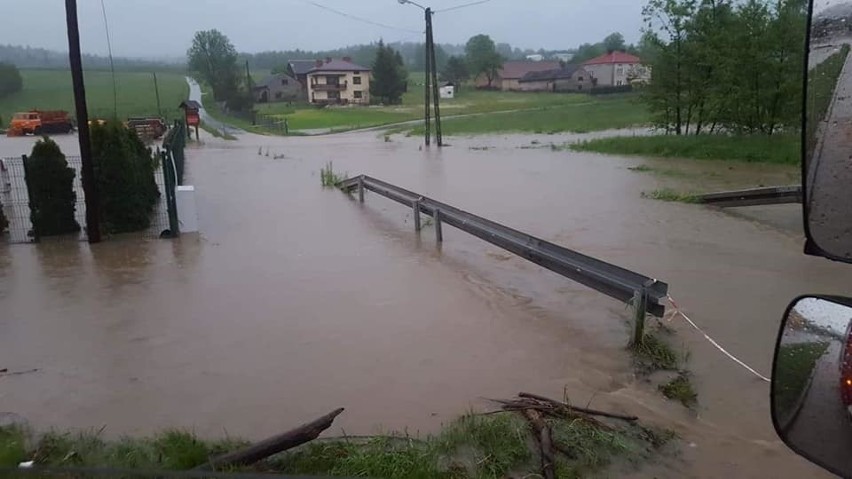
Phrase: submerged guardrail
pixel 644 293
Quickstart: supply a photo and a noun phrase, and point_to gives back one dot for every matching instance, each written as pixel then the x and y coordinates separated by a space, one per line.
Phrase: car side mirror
pixel 812 381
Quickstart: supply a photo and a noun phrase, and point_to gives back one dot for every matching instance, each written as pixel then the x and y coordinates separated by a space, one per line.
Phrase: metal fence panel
pixel 14 200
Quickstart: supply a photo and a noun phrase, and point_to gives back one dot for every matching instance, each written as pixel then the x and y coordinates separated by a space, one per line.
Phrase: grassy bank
pixel 591 114
pixel 477 446
pixel 542 112
pixel 216 133
pixel 795 364
pixel 778 149
pixel 821 83
pixel 52 90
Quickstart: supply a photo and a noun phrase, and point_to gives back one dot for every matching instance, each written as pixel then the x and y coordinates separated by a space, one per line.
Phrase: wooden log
pixel 273 445
pixel 592 412
pixel 545 442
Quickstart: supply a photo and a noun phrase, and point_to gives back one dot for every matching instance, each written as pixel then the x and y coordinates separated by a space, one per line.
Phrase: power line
pixel 111 64
pixel 480 2
pixel 364 20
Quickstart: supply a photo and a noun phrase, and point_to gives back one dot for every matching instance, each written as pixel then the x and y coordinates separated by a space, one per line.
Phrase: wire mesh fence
pixel 15 203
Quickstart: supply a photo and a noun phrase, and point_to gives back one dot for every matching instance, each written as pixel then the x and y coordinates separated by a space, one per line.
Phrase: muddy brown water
pixel 295 299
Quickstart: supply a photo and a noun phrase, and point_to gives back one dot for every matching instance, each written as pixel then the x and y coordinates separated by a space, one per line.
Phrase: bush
pixel 124 172
pixel 52 198
pixel 10 79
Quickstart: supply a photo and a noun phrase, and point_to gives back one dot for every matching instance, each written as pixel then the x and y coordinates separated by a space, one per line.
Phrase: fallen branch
pixel 5 372
pixel 273 445
pixel 592 412
pixel 545 442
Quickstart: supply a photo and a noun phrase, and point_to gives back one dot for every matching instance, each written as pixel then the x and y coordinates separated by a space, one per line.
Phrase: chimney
pixel 328 59
pixel 347 59
pixel 319 63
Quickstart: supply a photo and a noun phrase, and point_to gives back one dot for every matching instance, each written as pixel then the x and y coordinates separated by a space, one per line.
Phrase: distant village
pixel 341 81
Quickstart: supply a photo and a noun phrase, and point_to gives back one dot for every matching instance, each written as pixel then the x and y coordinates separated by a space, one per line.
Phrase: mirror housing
pixel 811 395
pixel 826 139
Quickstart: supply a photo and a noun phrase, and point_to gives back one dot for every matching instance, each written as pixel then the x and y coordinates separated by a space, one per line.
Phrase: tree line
pixel 724 66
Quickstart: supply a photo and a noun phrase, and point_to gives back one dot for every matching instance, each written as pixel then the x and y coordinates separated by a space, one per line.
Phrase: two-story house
pixel 616 69
pixel 338 82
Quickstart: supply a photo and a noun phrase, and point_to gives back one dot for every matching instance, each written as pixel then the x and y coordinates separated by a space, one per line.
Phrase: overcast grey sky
pixel 156 28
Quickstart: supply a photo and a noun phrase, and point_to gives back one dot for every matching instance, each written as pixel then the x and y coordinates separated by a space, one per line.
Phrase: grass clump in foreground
pixel 654 353
pixel 473 446
pixel 216 133
pixel 794 367
pixel 329 178
pixel 680 389
pixel 779 149
pixel 668 194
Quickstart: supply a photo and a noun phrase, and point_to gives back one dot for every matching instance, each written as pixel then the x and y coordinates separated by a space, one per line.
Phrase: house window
pixel 579 87
pixel 579 79
pixel 619 83
pixel 619 71
pixel 358 94
pixel 285 81
pixel 278 95
pixel 356 81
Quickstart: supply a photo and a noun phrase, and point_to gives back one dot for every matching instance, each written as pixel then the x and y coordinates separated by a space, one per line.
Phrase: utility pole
pixel 428 61
pixel 90 188
pixel 431 83
pixel 435 88
pixel 157 92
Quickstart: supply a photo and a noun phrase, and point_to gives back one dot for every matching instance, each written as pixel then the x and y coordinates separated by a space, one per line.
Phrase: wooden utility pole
pixel 430 40
pixel 90 188
pixel 428 59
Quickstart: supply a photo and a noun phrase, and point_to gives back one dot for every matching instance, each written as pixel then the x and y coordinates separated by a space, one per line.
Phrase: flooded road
pixel 295 300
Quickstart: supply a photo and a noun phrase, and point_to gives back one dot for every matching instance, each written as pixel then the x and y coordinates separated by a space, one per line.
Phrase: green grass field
pixel 574 113
pixel 51 90
pixel 307 117
pixel 779 149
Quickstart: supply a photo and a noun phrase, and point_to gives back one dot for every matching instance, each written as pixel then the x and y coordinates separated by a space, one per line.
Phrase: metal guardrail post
pixel 361 188
pixel 640 306
pixel 416 207
pixel 439 235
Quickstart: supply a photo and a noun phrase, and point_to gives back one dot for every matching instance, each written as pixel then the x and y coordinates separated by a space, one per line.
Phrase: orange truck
pixel 37 122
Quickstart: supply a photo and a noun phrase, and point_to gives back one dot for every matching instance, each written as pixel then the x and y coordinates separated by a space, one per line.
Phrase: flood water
pixel 294 299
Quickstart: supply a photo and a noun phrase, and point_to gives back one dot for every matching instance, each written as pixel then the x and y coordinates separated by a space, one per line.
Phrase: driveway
pixel 195 94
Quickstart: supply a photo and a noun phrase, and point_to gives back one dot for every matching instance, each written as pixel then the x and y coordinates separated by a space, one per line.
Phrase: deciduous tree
pixel 214 59
pixel 482 57
pixel 10 79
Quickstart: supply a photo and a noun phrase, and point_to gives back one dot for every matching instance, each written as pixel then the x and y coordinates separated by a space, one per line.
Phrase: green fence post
pixel 25 160
pixel 169 176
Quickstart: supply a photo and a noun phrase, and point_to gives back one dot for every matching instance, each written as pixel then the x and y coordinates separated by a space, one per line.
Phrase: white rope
pixel 712 341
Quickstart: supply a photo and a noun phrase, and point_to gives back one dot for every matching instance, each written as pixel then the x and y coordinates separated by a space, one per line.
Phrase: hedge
pixel 124 171
pixel 51 189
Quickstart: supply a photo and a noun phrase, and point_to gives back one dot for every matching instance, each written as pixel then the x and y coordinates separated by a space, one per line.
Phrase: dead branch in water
pixel 5 372
pixel 273 445
pixel 592 412
pixel 545 442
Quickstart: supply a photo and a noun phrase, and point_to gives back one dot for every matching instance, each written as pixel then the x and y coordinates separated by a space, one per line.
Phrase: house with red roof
pixel 616 69
pixel 508 78
pixel 338 82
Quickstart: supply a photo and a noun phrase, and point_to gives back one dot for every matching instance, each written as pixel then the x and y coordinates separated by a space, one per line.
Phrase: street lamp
pixel 431 77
